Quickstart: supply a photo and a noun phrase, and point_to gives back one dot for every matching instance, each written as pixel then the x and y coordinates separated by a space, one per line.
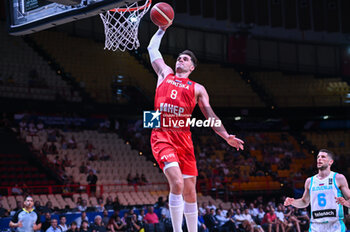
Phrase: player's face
pixel 184 64
pixel 323 161
pixel 29 203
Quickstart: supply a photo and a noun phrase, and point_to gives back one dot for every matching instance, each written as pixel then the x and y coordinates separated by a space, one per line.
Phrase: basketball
pixel 162 14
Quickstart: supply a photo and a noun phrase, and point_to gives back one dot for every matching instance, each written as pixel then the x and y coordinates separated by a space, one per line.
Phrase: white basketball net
pixel 121 26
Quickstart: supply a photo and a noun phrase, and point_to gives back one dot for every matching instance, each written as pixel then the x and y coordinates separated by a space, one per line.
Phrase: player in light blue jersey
pixel 325 192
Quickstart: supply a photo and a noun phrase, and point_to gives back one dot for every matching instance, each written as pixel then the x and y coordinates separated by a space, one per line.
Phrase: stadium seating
pixel 25 75
pixel 95 68
pixel 16 169
pixel 123 161
pixel 303 90
pixel 337 141
pixel 126 199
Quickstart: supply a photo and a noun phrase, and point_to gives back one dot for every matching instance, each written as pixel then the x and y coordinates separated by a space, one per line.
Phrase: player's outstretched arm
pixel 302 202
pixel 156 58
pixel 203 103
pixel 344 187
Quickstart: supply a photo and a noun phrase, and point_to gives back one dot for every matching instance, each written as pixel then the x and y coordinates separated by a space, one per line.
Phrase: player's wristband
pixel 154 44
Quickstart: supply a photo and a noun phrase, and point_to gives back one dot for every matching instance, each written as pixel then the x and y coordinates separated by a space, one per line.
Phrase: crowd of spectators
pixel 217 169
pixel 242 216
pixel 137 179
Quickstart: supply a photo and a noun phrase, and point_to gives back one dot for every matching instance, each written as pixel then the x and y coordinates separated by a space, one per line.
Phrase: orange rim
pixel 132 9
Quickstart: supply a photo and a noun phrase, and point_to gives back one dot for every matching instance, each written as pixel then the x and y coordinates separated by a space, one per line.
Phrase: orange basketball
pixel 162 14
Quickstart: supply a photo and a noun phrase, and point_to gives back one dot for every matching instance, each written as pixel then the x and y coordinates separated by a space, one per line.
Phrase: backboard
pixel 29 16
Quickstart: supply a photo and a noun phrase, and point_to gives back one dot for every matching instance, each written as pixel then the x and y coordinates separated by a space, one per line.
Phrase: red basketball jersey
pixel 175 99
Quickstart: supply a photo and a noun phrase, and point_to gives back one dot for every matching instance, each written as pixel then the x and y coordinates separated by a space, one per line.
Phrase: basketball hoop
pixel 121 26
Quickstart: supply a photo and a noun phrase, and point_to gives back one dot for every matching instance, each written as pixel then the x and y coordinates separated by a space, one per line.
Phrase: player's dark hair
pixel 28 196
pixel 62 216
pixel 328 152
pixel 190 54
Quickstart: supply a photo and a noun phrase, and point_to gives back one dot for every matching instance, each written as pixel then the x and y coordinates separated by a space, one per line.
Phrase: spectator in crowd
pixel 16 190
pixel 40 126
pixel 151 217
pixel 125 217
pixel 240 220
pixel 45 149
pixel 283 223
pixel 225 223
pixel 38 206
pixel 223 212
pixel 253 211
pixel 98 225
pixel 84 226
pixel 73 227
pixel 261 215
pixel 304 219
pixel 72 143
pixel 63 225
pixel 211 205
pixel 91 156
pixel 64 144
pixel 109 203
pixel 83 206
pixel 92 181
pixel 47 223
pixel 250 223
pixel 52 149
pixel 83 217
pixel 105 218
pixel 100 206
pixel 270 220
pixel 137 179
pixel 165 213
pixel 203 208
pixel 104 155
pixel 54 227
pixel 143 179
pixel 134 224
pixel 291 217
pixel 201 225
pixel 79 201
pixel 141 216
pixel 48 207
pixel 129 179
pixel 116 224
pixel 160 203
pixel 116 204
pixel 3 211
pixel 89 146
pixel 210 221
pixel 83 168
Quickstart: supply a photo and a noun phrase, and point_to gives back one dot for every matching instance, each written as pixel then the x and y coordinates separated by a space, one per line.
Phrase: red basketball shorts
pixel 174 146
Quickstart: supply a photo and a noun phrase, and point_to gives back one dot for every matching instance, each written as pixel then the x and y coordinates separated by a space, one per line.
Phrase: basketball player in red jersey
pixel 172 147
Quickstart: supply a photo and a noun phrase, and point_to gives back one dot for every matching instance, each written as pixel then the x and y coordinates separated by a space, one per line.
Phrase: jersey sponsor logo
pixel 324 213
pixel 169 108
pixel 177 84
pixel 166 157
pixel 322 188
